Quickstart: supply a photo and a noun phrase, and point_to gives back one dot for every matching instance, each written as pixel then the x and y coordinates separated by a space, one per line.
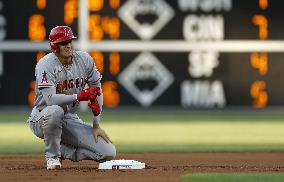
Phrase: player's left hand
pixel 98 131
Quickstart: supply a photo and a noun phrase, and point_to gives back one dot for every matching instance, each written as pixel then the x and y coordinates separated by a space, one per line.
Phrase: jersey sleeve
pixel 45 76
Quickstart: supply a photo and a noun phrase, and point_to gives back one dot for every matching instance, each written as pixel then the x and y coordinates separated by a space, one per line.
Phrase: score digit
pixel 36 28
pixel 259 94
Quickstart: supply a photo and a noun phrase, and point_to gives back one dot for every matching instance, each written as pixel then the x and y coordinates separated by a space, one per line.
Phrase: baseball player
pixel 61 77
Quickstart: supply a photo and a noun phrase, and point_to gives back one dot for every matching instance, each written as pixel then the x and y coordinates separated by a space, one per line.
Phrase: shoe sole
pixel 54 167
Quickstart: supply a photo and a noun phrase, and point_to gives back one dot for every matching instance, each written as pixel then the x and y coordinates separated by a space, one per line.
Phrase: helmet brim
pixel 63 39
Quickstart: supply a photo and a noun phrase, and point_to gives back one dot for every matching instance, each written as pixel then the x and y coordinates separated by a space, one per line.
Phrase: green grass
pixel 166 115
pixel 233 177
pixel 164 131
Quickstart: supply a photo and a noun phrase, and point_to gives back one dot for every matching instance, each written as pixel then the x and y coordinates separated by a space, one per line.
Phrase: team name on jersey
pixel 69 84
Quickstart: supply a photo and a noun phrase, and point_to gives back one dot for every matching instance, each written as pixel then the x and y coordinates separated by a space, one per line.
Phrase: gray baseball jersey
pixel 66 79
pixel 63 132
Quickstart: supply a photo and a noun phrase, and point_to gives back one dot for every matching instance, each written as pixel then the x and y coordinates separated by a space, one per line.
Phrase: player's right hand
pixel 89 94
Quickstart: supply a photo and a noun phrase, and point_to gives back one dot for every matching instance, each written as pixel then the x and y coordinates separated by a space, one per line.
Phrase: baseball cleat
pixel 52 164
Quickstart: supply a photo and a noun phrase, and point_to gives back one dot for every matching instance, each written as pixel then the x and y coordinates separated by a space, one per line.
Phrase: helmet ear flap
pixel 54 47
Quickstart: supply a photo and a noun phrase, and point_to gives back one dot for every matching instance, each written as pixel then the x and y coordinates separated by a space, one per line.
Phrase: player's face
pixel 66 48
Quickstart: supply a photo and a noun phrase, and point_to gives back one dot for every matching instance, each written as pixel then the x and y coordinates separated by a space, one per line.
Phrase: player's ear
pixel 54 47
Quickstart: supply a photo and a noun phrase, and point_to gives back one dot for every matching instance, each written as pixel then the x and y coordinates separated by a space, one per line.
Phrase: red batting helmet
pixel 59 34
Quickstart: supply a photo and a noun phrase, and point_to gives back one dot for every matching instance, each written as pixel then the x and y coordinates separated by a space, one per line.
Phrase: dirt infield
pixel 160 167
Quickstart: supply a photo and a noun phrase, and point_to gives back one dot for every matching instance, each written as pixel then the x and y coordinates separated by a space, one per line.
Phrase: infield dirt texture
pixel 160 167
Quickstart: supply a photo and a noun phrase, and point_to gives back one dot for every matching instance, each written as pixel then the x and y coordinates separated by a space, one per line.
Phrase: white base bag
pixel 122 164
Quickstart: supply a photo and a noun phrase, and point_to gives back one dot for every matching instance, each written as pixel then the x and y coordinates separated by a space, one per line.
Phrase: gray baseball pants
pixel 67 136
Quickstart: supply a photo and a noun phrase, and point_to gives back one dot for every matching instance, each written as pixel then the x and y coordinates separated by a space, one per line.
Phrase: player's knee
pixel 108 158
pixel 110 153
pixel 53 115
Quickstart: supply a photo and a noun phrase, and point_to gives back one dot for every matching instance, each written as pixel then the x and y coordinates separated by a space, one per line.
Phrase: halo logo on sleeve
pixel 44 78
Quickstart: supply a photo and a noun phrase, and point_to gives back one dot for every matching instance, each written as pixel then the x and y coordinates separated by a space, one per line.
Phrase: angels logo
pixel 44 78
pixel 67 31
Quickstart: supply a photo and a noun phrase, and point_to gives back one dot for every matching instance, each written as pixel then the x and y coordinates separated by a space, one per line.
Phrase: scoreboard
pixel 184 53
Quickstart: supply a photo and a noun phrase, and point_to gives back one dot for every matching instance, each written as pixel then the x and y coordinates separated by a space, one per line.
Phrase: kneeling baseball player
pixel 61 77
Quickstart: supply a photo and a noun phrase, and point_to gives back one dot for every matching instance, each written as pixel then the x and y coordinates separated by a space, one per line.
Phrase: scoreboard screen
pixel 183 53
